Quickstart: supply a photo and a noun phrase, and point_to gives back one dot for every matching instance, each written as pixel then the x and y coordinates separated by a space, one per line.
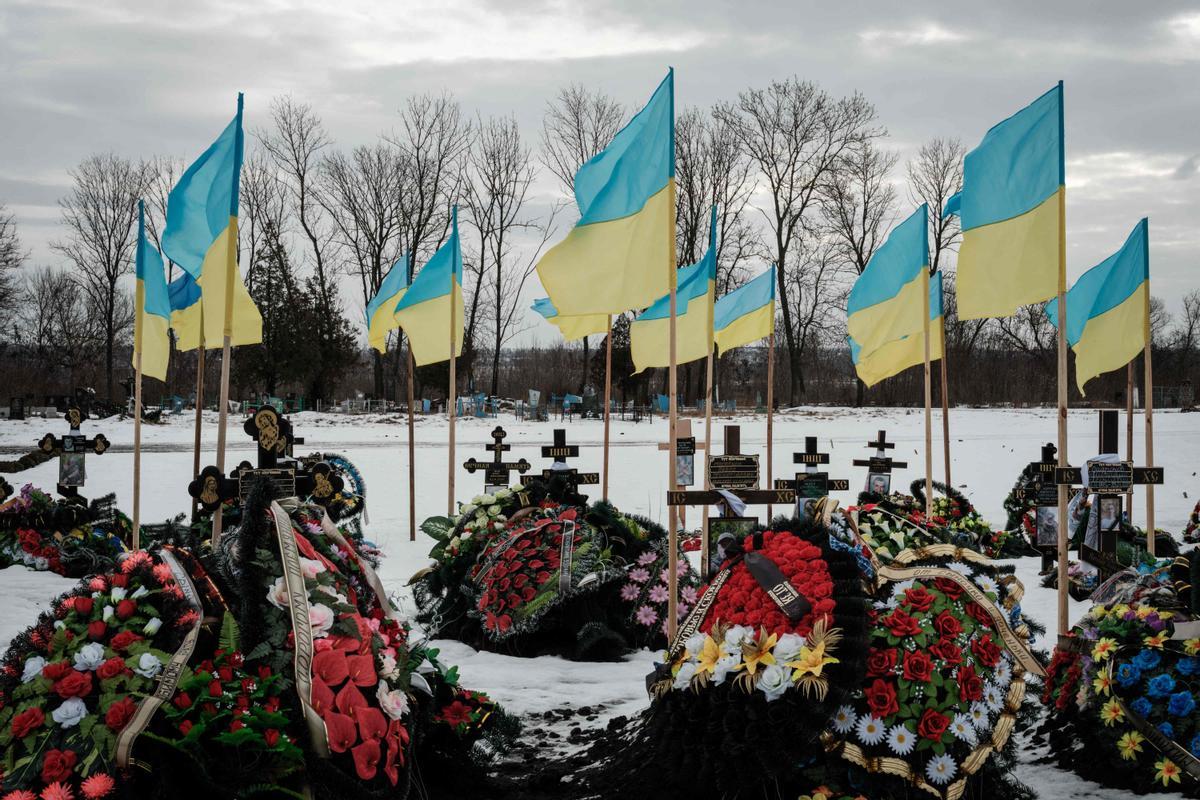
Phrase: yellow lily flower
pixel 1167 771
pixel 1102 684
pixel 1111 712
pixel 1130 744
pixel 811 661
pixel 708 656
pixel 1157 640
pixel 758 653
pixel 1191 646
pixel 1104 648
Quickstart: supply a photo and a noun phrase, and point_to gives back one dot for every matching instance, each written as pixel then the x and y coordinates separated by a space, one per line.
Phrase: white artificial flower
pixel 320 618
pixel 993 697
pixel 389 664
pixel 684 677
pixel 941 769
pixel 963 728
pixel 70 713
pixel 773 682
pixel 148 666
pixel 59 625
pixel 1003 674
pixel 979 715
pixel 118 593
pixel 139 593
pixel 486 499
pixel 736 635
pixel 109 611
pixel 277 594
pixel 90 657
pixel 844 719
pixel 310 567
pixel 394 703
pixel 152 626
pixel 503 494
pixel 901 740
pixel 493 510
pixel 787 648
pixel 33 669
pixel 870 730
pixel 518 487
pixel 694 643
pixel 467 510
pixel 986 584
pixel 725 665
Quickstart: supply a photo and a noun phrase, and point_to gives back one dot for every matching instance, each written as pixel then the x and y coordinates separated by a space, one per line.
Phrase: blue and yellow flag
pixel 572 328
pixel 187 315
pixel 746 314
pixel 650 333
pixel 381 310
pixel 892 358
pixel 152 308
pixel 201 237
pixel 432 301
pixel 888 299
pixel 618 257
pixel 1108 309
pixel 1011 207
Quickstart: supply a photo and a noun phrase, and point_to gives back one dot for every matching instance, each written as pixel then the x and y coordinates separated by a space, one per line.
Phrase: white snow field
pixel 989 448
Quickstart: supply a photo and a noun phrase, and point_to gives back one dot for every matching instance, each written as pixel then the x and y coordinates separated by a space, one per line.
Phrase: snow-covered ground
pixel 989 448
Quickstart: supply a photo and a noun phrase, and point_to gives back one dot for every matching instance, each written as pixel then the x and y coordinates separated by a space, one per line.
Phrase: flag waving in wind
pixel 432 306
pixel 381 310
pixel 618 257
pixel 201 237
pixel 152 307
pixel 746 314
pixel 1108 309
pixel 650 333
pixel 892 358
pixel 887 300
pixel 1011 206
pixel 572 328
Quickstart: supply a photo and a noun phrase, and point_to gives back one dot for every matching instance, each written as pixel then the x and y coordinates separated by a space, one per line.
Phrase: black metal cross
pixel 71 451
pixel 272 433
pixel 812 483
pixel 881 462
pixel 497 472
pixel 560 451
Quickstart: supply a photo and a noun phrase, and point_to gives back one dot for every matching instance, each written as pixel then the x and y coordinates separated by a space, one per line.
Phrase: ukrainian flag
pixel 1108 309
pixel 650 333
pixel 434 298
pixel 381 310
pixel 1012 208
pixel 618 256
pixel 887 301
pixel 896 356
pixel 153 309
pixel 572 328
pixel 746 314
pixel 201 237
pixel 187 315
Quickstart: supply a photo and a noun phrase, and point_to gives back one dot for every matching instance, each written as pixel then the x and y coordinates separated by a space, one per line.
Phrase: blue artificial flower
pixel 1188 666
pixel 1160 686
pixel 1141 707
pixel 1147 659
pixel 1128 675
pixel 1194 747
pixel 1181 704
pixel 1166 730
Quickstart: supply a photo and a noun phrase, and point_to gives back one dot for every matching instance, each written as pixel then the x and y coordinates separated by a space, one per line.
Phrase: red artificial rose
pixel 83 605
pixel 110 669
pixel 979 614
pixel 57 765
pixel 918 599
pixel 27 722
pixel 57 670
pixel 271 737
pixel 918 666
pixel 932 725
pixel 74 684
pixel 343 733
pixel 214 688
pixel 901 624
pixel 123 640
pixel 366 759
pixel 947 625
pixel 97 629
pixel 119 714
pixel 225 673
pixel 126 609
pixel 948 652
pixel 970 685
pixel 881 698
pixel 182 701
pixel 948 587
pixel 185 727
pixel 986 650
pixel 881 663
pixel 236 726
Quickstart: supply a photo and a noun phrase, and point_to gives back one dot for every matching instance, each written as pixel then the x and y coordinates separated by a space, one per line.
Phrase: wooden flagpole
pixel 928 411
pixel 137 449
pixel 945 406
pixel 1064 622
pixel 199 411
pixel 412 452
pixel 1129 383
pixel 450 404
pixel 672 531
pixel 708 448
pixel 1148 404
pixel 770 413
pixel 607 402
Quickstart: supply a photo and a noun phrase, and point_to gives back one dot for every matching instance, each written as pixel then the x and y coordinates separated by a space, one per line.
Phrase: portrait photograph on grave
pixel 1047 526
pixel 725 535
pixel 1110 513
pixel 879 483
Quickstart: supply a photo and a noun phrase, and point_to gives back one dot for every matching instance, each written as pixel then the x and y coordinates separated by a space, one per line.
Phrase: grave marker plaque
pixel 560 451
pixel 497 472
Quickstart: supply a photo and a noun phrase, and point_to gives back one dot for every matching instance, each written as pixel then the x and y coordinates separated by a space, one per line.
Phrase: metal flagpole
pixel 607 401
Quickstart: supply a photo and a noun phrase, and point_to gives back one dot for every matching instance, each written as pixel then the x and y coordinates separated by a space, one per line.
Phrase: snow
pixel 990 447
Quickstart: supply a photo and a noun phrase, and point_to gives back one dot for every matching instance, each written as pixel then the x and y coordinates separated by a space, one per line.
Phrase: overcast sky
pixel 154 77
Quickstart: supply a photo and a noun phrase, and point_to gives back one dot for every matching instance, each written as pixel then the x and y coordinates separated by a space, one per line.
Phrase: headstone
pixel 880 466
pixel 497 472
pixel 16 408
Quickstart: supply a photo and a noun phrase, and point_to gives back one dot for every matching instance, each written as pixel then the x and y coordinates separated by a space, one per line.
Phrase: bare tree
pixel 797 135
pixel 860 203
pixel 1186 336
pixel 499 174
pixel 12 256
pixel 100 215
pixel 361 194
pixel 60 333
pixel 263 204
pixel 934 175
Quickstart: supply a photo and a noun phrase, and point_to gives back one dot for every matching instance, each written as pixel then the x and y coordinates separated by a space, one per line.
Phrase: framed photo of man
pixel 724 536
pixel 879 483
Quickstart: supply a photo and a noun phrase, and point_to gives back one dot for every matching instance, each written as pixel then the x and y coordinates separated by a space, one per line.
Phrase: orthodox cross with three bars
pixel 736 474
pixel 71 476
pixel 560 451
pixel 812 483
pixel 497 472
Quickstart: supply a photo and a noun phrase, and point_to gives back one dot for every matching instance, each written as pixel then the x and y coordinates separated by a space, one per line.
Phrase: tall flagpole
pixel 708 447
pixel 1129 431
pixel 199 410
pixel 928 411
pixel 412 451
pixel 672 531
pixel 139 333
pixel 607 401
pixel 1148 404
pixel 945 405
pixel 450 404
pixel 231 274
pixel 770 412
pixel 1064 621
